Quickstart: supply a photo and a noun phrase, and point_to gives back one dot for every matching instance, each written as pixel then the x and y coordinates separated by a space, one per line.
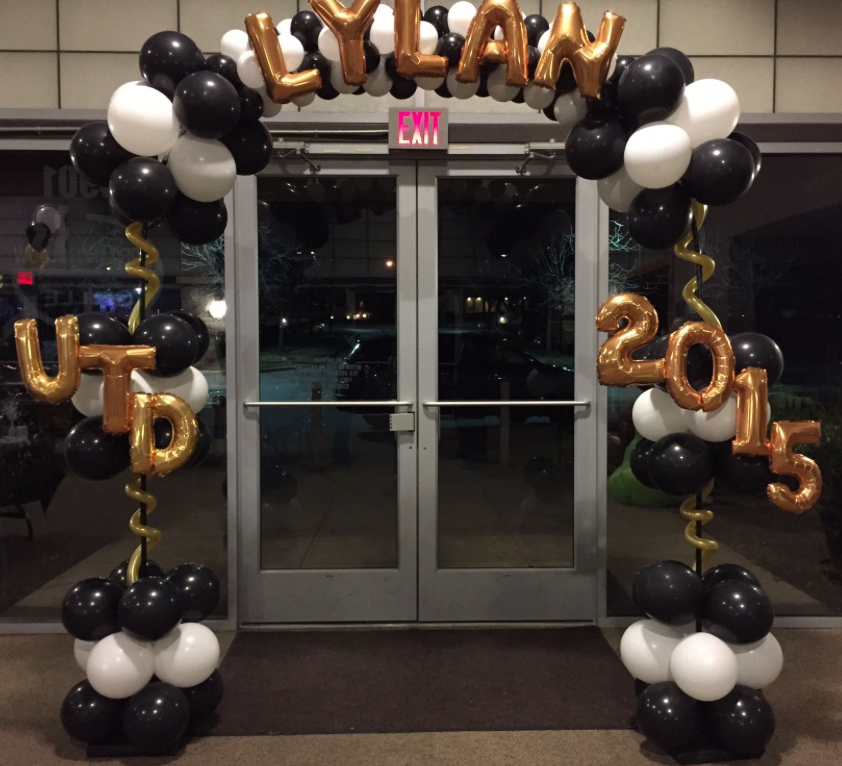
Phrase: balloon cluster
pixel 150 664
pixel 44 224
pixel 703 685
pixel 180 340
pixel 175 141
pixel 682 450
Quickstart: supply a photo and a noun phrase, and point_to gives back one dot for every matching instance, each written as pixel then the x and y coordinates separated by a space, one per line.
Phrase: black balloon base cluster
pixel 150 666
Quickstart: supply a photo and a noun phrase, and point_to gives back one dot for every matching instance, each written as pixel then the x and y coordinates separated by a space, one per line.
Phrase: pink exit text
pixel 418 128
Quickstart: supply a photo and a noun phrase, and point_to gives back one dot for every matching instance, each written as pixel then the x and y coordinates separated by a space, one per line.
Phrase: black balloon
pixel 443 90
pixel 203 445
pixel 306 26
pixel 199 327
pixel 746 474
pixel 639 462
pixel 566 80
pixel 535 25
pixel 372 57
pixel 142 189
pixel 38 235
pixel 437 16
pixel 155 718
pixel 199 588
pixel 658 218
pixel 680 464
pixel 207 104
pixel 720 172
pixel 97 328
pixel 751 349
pixel 205 697
pixel 533 56
pixel 450 46
pixel 167 58
pixel 667 716
pixel 316 60
pixel 196 223
pixel 595 146
pixel 679 58
pixel 150 569
pixel 94 454
pixel 669 592
pixel 742 722
pixel 327 91
pixel 250 143
pixel 174 341
pixel 91 718
pixel 753 149
pixel 623 63
pixel 225 66
pixel 390 64
pixel 650 88
pixel 251 105
pixel 96 154
pixel 151 608
pixel 722 572
pixel 402 88
pixel 89 609
pixel 737 611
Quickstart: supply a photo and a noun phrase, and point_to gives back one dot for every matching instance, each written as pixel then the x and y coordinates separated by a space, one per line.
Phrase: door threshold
pixel 415 625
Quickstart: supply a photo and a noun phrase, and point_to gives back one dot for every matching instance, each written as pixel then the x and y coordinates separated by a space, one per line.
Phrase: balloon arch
pixel 661 146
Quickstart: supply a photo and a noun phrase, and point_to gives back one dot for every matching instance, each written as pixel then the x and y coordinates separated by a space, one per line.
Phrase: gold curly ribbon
pixel 136 489
pixel 689 511
pixel 153 536
pixel 141 270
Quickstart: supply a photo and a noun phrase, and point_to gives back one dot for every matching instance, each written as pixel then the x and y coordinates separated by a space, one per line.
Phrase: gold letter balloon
pixel 49 389
pixel 348 25
pixel 479 47
pixel 410 61
pixel 145 458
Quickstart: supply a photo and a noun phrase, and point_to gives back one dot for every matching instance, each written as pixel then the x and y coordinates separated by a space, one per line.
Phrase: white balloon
pixel 382 33
pixel 142 119
pixel 461 90
pixel 429 83
pixel 234 43
pixel 383 10
pixel 716 426
pixel 88 399
pixel 304 100
pixel 119 666
pixel 203 168
pixel 248 70
pixel 542 41
pixel 568 109
pixel 49 216
pixel 497 87
pixel 284 28
pixel 378 83
pixel 82 651
pixel 190 385
pixel 646 648
pixel 708 109
pixel 459 17
pixel 292 49
pixel 704 667
pixel 537 97
pixel 612 67
pixel 187 655
pixel 618 190
pixel 758 664
pixel 657 155
pixel 270 108
pixel 499 34
pixel 328 45
pixel 337 80
pixel 428 38
pixel 655 414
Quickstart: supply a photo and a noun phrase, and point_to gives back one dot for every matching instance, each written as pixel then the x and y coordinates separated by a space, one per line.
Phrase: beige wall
pixel 780 55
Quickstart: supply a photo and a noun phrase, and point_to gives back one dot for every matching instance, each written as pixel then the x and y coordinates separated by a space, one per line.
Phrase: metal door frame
pixel 533 594
pixel 323 595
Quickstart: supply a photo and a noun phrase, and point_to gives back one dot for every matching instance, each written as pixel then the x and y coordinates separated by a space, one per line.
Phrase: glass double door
pixel 415 358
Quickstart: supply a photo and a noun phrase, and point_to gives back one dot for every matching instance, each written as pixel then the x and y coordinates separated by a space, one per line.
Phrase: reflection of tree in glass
pixel 98 244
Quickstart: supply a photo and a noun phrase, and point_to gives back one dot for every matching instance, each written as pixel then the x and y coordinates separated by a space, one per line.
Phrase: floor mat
pixel 377 681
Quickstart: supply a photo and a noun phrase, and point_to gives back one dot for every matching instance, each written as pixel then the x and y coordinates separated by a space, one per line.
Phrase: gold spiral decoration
pixel 689 511
pixel 153 536
pixel 134 233
pixel 683 250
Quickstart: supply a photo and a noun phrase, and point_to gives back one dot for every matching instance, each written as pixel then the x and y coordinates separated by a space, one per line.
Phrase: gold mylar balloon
pixel 479 47
pixel 568 41
pixel 614 365
pixel 411 63
pixel 280 85
pixel 116 363
pixel 37 258
pixel 752 387
pixel 784 436
pixel 348 25
pixel 39 384
pixel 714 396
pixel 147 408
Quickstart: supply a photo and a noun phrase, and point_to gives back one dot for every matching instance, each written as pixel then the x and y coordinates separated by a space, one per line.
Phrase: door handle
pixel 330 403
pixel 509 403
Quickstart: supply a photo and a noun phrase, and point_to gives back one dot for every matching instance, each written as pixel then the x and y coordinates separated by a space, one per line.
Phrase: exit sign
pixel 417 128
